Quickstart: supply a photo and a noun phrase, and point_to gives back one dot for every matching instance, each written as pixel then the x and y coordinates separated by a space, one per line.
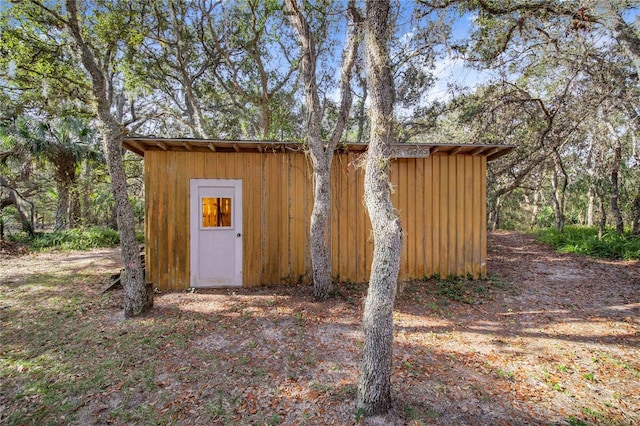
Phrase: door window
pixel 216 212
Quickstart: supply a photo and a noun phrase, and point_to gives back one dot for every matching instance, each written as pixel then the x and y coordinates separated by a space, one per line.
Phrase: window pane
pixel 216 212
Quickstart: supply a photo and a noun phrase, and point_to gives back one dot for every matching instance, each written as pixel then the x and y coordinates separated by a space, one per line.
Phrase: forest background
pixel 557 79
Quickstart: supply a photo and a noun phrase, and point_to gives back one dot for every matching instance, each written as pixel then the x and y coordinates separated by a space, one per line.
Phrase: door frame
pixel 195 227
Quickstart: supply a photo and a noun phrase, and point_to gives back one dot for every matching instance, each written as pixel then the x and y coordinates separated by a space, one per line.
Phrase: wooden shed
pixel 236 213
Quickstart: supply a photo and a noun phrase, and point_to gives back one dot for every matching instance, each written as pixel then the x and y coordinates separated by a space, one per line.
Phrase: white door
pixel 216 232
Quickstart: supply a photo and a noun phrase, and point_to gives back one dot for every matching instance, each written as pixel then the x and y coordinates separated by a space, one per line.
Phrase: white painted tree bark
pixel 374 387
pixel 322 154
pixel 136 299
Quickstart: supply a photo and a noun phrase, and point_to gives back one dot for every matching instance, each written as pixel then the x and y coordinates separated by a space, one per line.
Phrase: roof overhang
pixel 140 145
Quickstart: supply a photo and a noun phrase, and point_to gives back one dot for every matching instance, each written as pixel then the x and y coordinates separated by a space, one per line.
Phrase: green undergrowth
pixel 72 239
pixel 584 240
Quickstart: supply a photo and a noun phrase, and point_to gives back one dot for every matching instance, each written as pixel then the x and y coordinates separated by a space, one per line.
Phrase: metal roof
pixel 140 145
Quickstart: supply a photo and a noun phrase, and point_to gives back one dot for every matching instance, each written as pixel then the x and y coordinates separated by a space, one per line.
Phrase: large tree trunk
pixel 322 156
pixel 137 300
pixel 374 387
pixel 320 253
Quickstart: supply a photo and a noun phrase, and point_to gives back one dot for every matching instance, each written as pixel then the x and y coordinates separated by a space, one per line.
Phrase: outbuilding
pixel 237 213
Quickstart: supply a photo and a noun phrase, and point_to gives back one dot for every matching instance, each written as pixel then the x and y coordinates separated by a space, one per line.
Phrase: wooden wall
pixel 441 201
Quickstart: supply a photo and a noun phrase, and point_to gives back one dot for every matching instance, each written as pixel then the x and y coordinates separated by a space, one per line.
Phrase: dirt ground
pixel 547 339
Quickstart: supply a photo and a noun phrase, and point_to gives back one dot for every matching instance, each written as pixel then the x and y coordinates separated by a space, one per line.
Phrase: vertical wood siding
pixel 441 201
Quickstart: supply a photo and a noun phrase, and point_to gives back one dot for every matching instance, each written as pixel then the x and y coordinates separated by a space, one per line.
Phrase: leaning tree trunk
pixel 374 387
pixel 137 299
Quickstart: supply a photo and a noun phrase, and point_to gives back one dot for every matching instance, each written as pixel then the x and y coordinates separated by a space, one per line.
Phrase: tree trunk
pixel 602 224
pixel 87 189
pixel 494 214
pixel 75 206
pixel 136 300
pixel 362 118
pixel 111 219
pixel 321 156
pixel 24 207
pixel 320 253
pixel 559 181
pixel 65 177
pixel 615 170
pixel 534 209
pixel 591 206
pixel 635 213
pixel 374 387
pixel 635 121
pixel 191 101
pixel 62 207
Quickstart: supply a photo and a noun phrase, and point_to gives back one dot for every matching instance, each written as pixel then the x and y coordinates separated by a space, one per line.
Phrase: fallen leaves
pixel 537 350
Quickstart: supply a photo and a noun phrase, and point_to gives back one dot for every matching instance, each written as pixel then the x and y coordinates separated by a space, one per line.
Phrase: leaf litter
pixel 547 339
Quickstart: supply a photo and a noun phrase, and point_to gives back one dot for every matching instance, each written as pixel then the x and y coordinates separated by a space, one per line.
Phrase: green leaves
pixel 35 61
pixel 584 240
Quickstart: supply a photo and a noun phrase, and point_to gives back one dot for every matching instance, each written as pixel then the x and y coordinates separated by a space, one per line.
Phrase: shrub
pixel 73 239
pixel 584 240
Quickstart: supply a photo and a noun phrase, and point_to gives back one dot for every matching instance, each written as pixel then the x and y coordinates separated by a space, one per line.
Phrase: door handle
pixel 238 235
